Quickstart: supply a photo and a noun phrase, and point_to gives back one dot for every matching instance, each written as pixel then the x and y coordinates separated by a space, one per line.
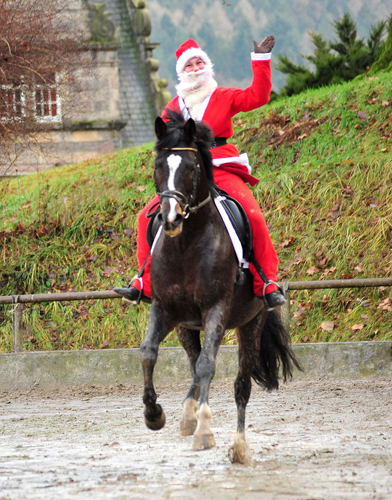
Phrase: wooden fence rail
pixel 18 301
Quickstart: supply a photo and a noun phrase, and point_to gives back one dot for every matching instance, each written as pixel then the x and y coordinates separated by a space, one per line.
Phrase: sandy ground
pixel 311 440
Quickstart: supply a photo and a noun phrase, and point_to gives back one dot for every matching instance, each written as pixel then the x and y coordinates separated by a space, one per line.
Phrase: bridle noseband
pixel 180 198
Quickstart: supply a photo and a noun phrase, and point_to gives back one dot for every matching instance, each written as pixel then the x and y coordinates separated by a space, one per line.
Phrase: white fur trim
pixel 188 54
pixel 203 108
pixel 238 160
pixel 184 109
pixel 255 56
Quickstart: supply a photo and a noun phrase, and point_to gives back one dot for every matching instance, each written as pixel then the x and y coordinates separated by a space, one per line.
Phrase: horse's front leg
pixel 190 341
pixel 158 327
pixel 205 370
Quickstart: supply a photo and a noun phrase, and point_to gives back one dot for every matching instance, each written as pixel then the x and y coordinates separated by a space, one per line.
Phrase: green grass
pixel 324 160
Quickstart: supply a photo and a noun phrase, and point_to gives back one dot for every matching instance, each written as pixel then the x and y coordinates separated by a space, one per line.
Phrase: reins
pixel 180 198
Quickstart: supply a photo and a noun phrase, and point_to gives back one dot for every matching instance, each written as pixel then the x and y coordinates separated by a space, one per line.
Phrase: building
pixel 121 101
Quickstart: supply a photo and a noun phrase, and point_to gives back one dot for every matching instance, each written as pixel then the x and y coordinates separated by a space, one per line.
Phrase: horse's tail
pixel 275 352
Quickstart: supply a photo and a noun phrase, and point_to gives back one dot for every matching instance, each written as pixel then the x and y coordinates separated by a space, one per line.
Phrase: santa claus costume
pixel 199 97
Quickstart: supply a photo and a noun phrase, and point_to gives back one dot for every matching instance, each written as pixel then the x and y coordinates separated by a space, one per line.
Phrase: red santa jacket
pixel 218 109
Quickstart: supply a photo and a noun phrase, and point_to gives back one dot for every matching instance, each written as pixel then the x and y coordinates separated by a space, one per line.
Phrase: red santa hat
pixel 186 51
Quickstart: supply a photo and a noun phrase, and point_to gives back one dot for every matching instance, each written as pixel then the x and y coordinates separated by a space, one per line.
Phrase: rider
pixel 199 97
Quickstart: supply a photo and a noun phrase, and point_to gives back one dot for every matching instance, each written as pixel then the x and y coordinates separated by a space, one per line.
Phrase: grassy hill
pixel 324 160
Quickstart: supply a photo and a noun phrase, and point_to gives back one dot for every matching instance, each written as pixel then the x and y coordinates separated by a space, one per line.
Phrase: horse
pixel 193 273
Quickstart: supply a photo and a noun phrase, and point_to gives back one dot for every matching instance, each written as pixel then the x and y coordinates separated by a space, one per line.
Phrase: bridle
pixel 180 198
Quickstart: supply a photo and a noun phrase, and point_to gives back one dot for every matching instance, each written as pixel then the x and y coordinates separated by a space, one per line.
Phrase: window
pixel 44 101
pixel 12 102
pixel 47 102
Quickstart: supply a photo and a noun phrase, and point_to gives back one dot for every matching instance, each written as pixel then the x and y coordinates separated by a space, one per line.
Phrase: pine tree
pixel 384 61
pixel 334 62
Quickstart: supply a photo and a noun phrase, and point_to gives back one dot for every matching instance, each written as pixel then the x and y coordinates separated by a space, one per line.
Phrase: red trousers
pixel 263 248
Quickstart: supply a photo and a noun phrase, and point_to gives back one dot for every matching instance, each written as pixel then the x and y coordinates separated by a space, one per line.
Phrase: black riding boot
pixel 132 294
pixel 275 299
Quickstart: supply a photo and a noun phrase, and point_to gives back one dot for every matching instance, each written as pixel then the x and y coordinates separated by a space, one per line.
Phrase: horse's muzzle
pixel 171 220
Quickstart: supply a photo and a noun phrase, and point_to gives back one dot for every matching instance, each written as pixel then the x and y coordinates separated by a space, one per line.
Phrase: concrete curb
pixel 66 368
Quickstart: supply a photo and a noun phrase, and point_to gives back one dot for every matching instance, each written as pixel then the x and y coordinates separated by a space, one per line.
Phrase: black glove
pixel 265 46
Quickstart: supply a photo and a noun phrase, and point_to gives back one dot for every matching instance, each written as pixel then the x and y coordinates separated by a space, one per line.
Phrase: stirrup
pixel 266 284
pixel 137 301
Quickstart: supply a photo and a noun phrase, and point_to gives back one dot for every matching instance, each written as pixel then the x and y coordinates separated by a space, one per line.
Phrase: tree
pixel 384 61
pixel 40 55
pixel 334 62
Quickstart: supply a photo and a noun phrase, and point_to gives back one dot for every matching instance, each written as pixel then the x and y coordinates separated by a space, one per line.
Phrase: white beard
pixel 194 87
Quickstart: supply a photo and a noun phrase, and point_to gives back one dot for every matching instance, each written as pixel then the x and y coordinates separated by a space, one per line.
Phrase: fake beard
pixel 194 81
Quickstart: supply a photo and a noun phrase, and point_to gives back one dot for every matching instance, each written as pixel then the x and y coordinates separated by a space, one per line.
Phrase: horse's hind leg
pixel 190 341
pixel 248 352
pixel 158 327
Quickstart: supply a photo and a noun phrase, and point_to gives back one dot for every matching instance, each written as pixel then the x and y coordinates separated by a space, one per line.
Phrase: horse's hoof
pixel 188 421
pixel 156 421
pixel 188 427
pixel 239 453
pixel 203 442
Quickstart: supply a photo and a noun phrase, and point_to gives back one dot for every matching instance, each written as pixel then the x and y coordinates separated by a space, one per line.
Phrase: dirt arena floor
pixel 313 439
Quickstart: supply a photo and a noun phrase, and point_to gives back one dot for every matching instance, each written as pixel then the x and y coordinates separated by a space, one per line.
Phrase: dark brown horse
pixel 193 271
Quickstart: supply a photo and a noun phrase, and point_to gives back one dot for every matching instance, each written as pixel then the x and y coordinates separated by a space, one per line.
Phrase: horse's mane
pixel 176 137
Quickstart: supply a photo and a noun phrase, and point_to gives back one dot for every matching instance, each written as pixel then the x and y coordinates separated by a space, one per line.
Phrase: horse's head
pixel 180 175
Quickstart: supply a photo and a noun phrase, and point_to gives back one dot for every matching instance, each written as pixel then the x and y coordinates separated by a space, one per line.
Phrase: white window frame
pixel 47 118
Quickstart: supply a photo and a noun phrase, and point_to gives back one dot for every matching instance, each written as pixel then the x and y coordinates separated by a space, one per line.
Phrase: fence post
pixel 285 309
pixel 17 327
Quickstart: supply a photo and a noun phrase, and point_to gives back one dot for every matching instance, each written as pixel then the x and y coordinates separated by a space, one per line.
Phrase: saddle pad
pixel 237 245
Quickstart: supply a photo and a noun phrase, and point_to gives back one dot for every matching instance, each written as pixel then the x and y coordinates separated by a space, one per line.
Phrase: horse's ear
pixel 160 127
pixel 190 129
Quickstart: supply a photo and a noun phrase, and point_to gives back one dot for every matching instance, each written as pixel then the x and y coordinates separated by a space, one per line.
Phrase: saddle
pixel 236 215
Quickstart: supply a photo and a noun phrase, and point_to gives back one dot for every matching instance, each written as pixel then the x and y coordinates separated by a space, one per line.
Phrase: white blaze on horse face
pixel 173 162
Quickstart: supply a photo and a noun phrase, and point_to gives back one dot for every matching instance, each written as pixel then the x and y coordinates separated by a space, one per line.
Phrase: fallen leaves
pixel 334 213
pixel 109 270
pixel 362 116
pixel 322 260
pixel 287 243
pixel 279 129
pixel 129 232
pixel 327 326
pixel 296 261
pixel 328 272
pixel 299 312
pixel 313 270
pixel 356 327
pixel 385 304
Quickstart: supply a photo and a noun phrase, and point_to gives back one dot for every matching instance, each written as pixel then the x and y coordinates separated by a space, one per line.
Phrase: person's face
pixel 195 64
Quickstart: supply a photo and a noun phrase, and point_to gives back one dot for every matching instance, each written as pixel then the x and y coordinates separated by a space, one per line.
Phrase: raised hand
pixel 265 46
